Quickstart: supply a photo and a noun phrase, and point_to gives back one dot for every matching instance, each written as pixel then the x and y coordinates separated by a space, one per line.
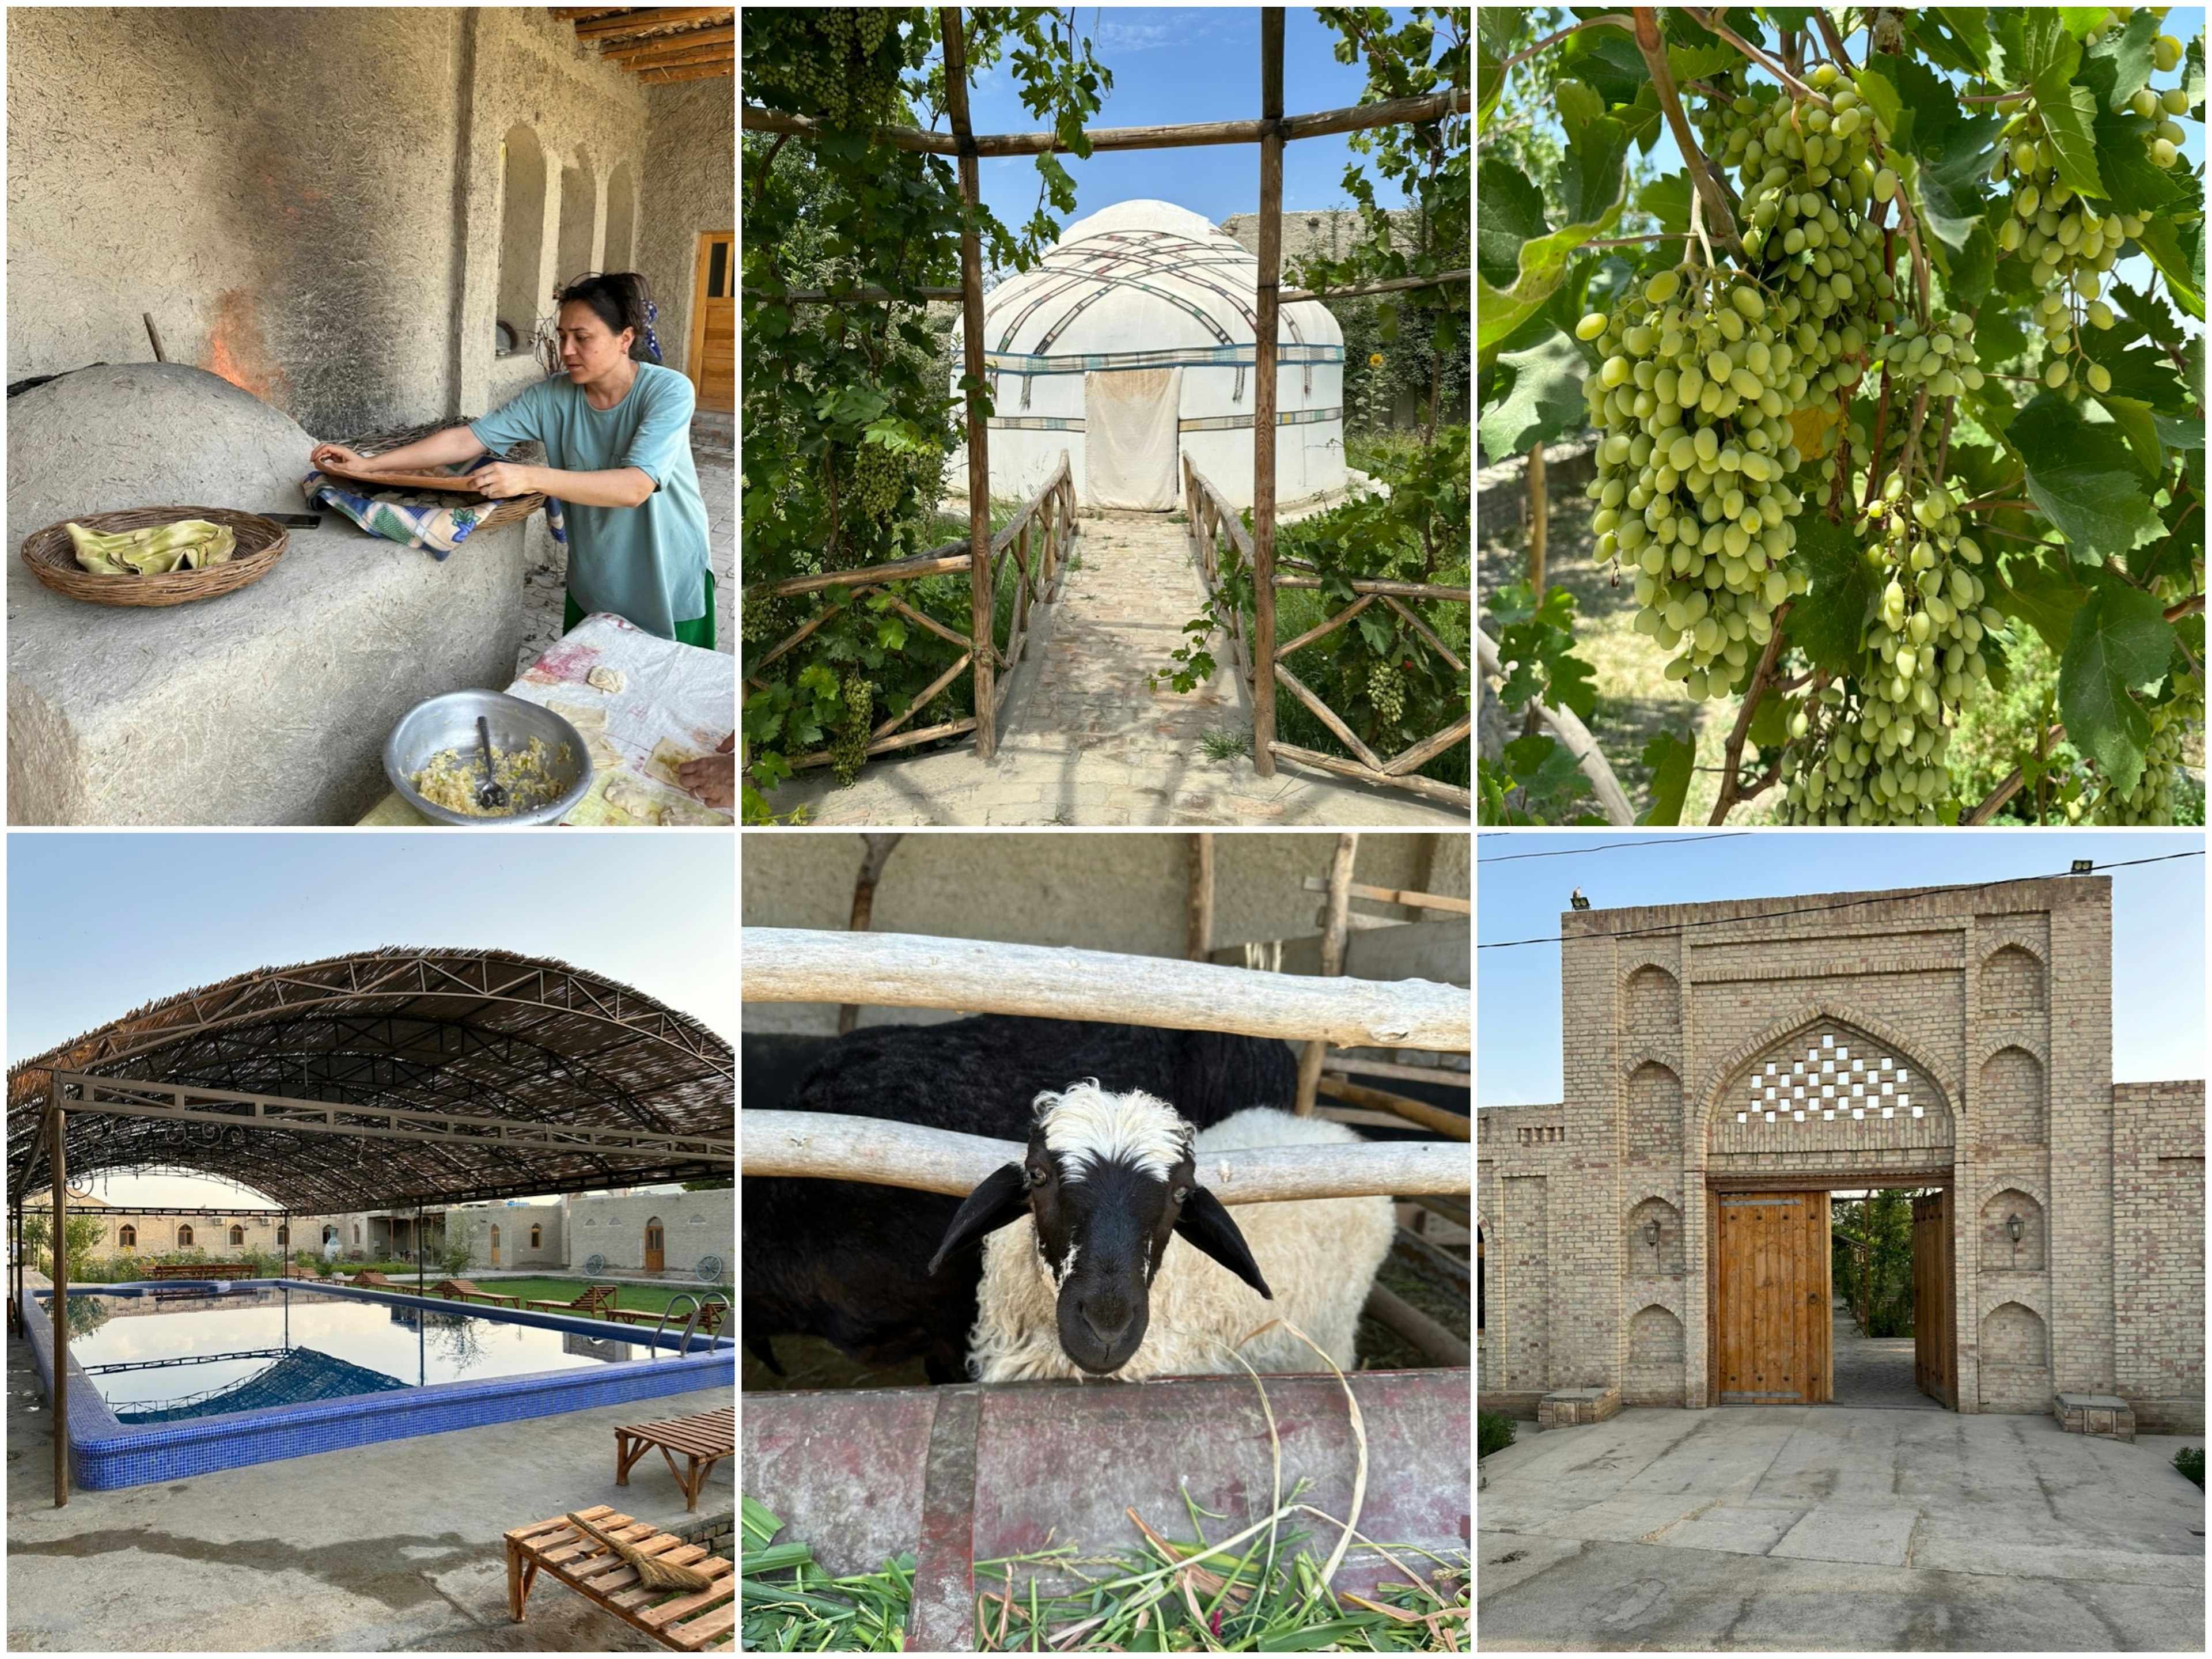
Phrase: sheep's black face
pixel 1101 1235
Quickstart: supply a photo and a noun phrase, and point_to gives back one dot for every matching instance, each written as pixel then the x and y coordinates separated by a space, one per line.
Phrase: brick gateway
pixel 1717 1054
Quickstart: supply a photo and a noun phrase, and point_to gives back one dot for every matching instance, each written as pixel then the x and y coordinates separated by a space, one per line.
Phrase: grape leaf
pixel 2069 114
pixel 2176 433
pixel 1953 37
pixel 2137 371
pixel 2119 643
pixel 2079 475
pixel 2132 417
pixel 2080 19
pixel 2147 313
pixel 1641 119
pixel 1545 402
pixel 2136 183
pixel 1591 177
pixel 2040 588
pixel 1669 758
pixel 1667 198
pixel 1881 98
pixel 1953 149
pixel 1607 58
pixel 1973 268
pixel 2118 64
pixel 2192 77
pixel 1828 624
pixel 1512 213
pixel 1696 62
pixel 2178 251
pixel 1770 722
pixel 1494 44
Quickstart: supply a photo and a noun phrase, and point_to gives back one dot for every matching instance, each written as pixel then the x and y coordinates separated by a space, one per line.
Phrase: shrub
pixel 1496 1431
pixel 2190 1460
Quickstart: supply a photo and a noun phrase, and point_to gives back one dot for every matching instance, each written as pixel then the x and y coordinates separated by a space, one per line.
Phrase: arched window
pixel 622 219
pixel 578 208
pixel 330 1233
pixel 283 1235
pixel 537 1238
pixel 356 1232
pixel 183 1236
pixel 522 232
pixel 237 1235
pixel 128 1239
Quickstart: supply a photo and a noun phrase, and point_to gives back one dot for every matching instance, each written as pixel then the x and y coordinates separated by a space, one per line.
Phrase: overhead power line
pixel 1607 846
pixel 1842 904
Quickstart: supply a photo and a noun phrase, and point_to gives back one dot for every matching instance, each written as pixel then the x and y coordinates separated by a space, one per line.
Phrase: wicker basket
pixel 52 556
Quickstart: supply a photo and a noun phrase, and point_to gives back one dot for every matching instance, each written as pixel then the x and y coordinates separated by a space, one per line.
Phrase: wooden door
pixel 495 1245
pixel 712 361
pixel 1772 1323
pixel 656 1249
pixel 1934 1353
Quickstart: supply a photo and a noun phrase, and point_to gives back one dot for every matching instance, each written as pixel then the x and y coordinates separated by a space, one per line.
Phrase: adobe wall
pixel 1962 1037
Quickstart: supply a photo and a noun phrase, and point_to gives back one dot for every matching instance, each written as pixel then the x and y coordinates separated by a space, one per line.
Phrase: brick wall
pixel 2158 1225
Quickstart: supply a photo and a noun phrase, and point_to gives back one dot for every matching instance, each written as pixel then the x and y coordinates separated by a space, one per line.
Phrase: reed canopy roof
pixel 502 1045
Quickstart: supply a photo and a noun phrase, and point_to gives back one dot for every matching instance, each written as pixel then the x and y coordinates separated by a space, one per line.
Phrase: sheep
pixel 844 1260
pixel 1097 1265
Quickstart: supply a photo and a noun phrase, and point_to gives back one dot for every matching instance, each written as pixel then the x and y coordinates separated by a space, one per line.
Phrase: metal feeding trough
pixel 966 1474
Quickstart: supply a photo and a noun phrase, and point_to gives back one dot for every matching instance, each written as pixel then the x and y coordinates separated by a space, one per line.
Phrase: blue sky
pixel 2182 23
pixel 1174 65
pixel 2157 921
pixel 181 910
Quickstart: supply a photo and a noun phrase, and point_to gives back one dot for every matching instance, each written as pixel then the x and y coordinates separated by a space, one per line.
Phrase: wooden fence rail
pixel 911 970
pixel 826 1146
pixel 1261 661
pixel 1035 543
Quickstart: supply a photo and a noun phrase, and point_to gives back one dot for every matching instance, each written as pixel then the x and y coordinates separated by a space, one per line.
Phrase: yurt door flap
pixel 1129 421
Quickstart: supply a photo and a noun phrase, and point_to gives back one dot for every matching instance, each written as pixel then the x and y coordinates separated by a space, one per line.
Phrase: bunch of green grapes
pixel 848 745
pixel 1806 178
pixel 1690 473
pixel 763 616
pixel 1386 691
pixel 2151 800
pixel 1847 766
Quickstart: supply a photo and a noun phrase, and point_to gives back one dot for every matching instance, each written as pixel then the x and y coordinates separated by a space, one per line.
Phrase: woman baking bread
pixel 617 436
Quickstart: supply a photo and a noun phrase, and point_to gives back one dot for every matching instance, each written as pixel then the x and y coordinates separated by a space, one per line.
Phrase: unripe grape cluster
pixel 1846 765
pixel 1690 477
pixel 1806 177
pixel 2151 800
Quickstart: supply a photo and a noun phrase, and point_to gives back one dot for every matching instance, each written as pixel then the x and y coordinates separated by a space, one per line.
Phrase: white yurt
pixel 1129 346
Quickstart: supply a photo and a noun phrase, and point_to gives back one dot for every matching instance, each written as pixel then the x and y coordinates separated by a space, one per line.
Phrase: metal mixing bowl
pixel 450 722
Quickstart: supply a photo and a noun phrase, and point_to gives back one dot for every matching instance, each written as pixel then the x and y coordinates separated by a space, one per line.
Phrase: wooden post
pixel 1335 924
pixel 1539 518
pixel 57 1161
pixel 1263 398
pixel 1201 897
pixel 983 610
pixel 877 849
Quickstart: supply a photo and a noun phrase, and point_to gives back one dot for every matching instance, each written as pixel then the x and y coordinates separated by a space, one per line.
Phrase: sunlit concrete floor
pixel 389 1547
pixel 1830 1528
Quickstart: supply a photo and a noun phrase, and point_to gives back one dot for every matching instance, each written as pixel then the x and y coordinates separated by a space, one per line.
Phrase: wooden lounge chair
pixel 460 1290
pixel 710 1317
pixel 688 1621
pixel 704 1440
pixel 592 1303
pixel 369 1279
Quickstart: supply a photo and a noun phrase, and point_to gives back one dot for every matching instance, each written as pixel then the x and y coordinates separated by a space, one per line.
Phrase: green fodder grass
pixel 2190 1460
pixel 811 1610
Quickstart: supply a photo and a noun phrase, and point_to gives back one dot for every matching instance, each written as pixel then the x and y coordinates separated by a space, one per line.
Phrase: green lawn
pixel 649 1298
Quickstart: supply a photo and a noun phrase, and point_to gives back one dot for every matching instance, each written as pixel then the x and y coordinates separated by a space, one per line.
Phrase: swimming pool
pixel 179 1380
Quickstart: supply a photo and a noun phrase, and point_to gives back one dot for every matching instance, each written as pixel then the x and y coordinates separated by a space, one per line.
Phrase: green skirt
pixel 699 631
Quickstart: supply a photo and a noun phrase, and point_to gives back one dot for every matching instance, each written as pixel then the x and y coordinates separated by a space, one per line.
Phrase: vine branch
pixel 1711 21
pixel 1617 19
pixel 1835 41
pixel 1731 766
pixel 1670 103
pixel 1994 802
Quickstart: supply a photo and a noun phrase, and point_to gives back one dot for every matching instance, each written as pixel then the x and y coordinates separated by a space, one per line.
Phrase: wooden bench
pixel 689 1621
pixel 203 1270
pixel 461 1289
pixel 592 1303
pixel 704 1440
pixel 710 1318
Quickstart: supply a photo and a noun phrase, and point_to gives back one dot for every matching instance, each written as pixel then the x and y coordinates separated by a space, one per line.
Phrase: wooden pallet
pixel 702 1621
pixel 704 1440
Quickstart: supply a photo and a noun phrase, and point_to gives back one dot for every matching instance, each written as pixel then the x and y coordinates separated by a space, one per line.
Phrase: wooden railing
pixel 1043 528
pixel 1212 521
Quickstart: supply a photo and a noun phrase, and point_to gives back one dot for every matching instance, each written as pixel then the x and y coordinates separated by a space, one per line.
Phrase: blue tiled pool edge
pixel 106 1454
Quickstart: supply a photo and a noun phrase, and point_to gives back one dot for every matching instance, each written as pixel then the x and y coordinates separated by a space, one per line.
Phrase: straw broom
pixel 651 1571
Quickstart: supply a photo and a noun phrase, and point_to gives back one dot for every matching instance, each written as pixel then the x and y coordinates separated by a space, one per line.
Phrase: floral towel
pixel 419 519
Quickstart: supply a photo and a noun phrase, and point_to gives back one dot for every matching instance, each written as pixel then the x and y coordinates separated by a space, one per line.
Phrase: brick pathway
pixel 1083 741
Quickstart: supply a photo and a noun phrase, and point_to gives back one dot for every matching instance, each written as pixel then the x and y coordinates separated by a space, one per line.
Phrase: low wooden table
pixel 704 1440
pixel 201 1270
pixel 689 1621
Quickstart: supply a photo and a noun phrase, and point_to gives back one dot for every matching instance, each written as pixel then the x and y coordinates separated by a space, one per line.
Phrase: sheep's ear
pixel 1205 1225
pixel 1001 1200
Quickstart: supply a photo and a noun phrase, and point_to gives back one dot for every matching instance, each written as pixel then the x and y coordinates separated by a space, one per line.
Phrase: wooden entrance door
pixel 494 1243
pixel 1935 1352
pixel 713 361
pixel 656 1248
pixel 1773 1325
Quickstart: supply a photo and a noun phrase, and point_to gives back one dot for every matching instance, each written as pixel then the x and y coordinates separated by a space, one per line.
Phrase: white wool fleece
pixel 1319 1256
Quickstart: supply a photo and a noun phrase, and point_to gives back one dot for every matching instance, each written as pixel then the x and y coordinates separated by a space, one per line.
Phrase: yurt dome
pixel 1129 346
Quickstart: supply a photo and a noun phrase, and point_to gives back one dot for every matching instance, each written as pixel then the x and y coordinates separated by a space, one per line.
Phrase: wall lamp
pixel 2012 1226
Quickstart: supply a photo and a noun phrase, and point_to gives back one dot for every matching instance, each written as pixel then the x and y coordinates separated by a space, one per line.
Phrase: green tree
pixel 85 1234
pixel 1873 1243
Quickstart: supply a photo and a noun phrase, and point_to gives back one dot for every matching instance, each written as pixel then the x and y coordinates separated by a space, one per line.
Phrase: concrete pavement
pixel 1827 1527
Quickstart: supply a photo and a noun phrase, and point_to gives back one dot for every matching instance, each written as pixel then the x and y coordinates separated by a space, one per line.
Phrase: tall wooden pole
pixel 877 852
pixel 982 609
pixel 1263 393
pixel 59 1161
pixel 1201 897
pixel 1335 924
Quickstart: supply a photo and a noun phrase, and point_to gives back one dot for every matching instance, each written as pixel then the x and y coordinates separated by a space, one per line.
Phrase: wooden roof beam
pixel 653 19
pixel 696 72
pixel 725 35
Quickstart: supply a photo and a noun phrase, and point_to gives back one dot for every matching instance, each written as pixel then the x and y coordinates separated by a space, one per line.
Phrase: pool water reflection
pixel 181 1355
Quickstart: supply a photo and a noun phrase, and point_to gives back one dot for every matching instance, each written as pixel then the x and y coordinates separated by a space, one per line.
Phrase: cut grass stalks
pixel 1282 1608
pixel 861 1612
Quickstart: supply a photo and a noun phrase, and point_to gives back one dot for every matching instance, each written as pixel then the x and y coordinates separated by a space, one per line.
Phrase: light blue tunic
pixel 647 563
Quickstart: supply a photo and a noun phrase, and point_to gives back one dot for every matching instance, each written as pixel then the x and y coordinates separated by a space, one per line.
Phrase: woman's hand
pixel 500 479
pixel 327 455
pixel 713 779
